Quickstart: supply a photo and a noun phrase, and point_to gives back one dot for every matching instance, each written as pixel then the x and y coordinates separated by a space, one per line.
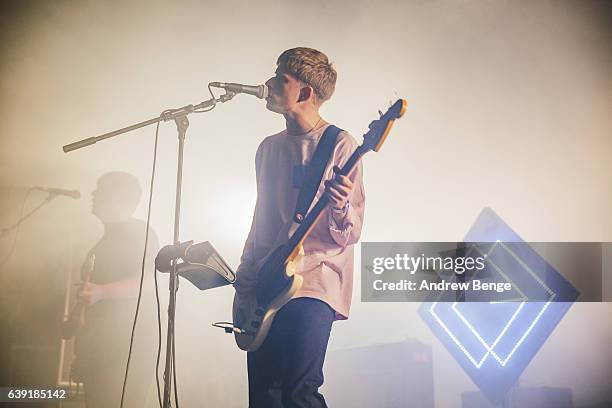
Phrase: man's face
pixel 284 93
pixel 101 199
pixel 107 204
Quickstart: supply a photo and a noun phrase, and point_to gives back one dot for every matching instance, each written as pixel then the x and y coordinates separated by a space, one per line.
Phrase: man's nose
pixel 269 83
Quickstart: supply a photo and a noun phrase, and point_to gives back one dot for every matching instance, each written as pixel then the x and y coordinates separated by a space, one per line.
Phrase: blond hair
pixel 311 67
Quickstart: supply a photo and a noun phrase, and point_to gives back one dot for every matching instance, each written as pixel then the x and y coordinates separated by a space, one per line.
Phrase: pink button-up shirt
pixel 327 267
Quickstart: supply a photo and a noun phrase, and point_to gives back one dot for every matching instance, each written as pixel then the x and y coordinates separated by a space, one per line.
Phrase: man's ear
pixel 305 93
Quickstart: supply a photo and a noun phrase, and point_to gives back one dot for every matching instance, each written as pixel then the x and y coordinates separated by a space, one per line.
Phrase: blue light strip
pixel 499 337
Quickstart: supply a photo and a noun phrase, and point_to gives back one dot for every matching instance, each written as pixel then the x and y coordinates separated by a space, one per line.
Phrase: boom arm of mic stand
pixel 166 116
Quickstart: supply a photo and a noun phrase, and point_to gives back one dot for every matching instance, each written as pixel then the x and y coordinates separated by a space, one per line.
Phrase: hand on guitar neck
pixel 338 190
pixel 91 293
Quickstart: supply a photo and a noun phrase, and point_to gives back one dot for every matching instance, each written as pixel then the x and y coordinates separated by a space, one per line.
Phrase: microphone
pixel 76 194
pixel 260 91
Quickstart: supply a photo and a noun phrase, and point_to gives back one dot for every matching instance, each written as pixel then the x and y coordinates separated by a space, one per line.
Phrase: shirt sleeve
pixel 246 274
pixel 348 230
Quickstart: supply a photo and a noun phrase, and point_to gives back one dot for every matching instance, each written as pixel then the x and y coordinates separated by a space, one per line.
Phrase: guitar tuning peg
pixel 380 113
pixel 396 97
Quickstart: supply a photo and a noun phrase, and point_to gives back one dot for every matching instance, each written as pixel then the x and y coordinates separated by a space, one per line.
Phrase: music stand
pixel 200 264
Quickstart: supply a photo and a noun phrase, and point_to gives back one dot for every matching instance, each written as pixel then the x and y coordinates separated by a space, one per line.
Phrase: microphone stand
pixel 179 116
pixel 47 200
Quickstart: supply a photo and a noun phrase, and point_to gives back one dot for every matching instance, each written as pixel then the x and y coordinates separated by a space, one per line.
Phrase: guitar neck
pixel 372 140
pixel 313 216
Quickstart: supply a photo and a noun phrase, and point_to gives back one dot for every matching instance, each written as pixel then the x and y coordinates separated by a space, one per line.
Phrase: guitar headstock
pixel 380 128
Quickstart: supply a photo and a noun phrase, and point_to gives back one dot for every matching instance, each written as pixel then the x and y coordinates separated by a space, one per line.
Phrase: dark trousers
pixel 287 370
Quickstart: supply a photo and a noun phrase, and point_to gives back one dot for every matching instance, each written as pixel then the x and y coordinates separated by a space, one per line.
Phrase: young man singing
pixel 287 370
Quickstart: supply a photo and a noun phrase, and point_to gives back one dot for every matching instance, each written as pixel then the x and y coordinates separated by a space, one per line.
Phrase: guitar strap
pixel 314 171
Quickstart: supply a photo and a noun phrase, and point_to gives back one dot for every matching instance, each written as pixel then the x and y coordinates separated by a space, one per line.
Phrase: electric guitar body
pixel 277 280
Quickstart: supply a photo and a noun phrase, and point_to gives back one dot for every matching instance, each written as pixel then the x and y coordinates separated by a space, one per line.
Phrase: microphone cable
pixel 142 271
pixel 18 225
pixel 159 336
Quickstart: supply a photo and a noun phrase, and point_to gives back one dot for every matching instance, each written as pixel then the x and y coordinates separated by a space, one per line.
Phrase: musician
pixel 102 347
pixel 287 370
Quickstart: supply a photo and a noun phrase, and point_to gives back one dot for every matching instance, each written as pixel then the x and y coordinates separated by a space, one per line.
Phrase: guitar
pixel 76 319
pixel 277 280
